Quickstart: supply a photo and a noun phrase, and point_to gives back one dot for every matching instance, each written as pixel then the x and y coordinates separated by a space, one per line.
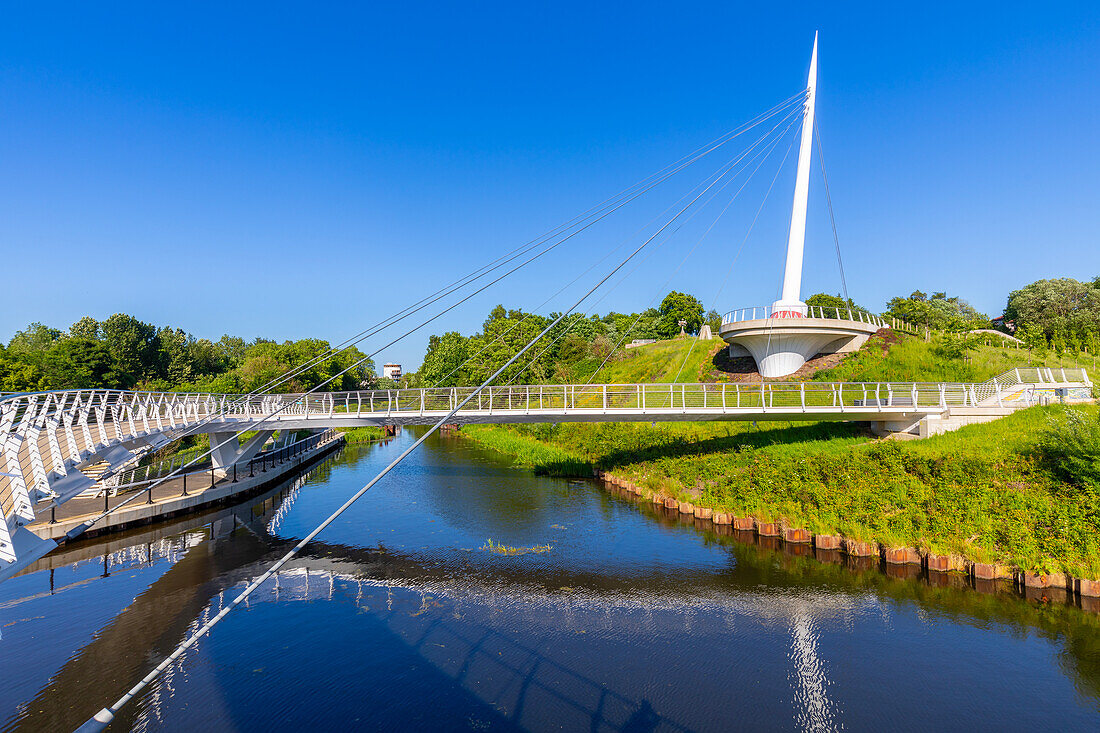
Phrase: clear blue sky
pixel 291 170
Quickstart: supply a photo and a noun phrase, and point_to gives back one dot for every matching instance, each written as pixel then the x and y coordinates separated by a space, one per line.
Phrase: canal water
pixel 593 613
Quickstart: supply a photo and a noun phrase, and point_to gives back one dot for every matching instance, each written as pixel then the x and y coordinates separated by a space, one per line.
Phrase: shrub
pixel 1071 442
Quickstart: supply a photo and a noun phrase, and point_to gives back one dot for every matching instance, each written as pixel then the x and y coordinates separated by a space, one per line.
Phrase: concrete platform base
pixel 780 346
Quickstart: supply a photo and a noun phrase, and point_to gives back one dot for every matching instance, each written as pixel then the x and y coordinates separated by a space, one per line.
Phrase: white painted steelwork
pixel 787 334
pixel 766 312
pixel 791 299
pixel 49 439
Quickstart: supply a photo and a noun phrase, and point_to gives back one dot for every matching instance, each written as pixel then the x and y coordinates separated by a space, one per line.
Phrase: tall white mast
pixel 796 239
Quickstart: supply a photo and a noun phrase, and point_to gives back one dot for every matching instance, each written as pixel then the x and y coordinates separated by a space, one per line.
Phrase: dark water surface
pixel 398 619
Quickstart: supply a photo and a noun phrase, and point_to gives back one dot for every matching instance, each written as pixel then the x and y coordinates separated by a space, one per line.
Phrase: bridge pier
pixel 233 452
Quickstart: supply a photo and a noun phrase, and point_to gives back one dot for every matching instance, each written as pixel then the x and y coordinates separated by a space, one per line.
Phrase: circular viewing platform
pixel 782 338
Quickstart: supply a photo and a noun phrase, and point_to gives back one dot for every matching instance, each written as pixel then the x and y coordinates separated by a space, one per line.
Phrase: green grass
pixel 364 434
pixel 911 359
pixel 940 360
pixel 659 362
pixel 989 492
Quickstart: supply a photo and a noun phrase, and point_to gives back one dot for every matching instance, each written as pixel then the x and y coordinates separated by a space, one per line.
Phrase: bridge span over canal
pixel 57 446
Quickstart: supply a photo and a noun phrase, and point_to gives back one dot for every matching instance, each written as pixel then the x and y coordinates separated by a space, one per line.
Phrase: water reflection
pixel 636 621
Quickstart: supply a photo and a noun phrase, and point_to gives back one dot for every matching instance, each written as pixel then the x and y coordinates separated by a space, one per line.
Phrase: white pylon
pixel 791 301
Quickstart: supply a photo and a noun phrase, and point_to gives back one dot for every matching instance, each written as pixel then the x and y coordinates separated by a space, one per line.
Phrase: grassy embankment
pixel 659 362
pixel 908 360
pixel 998 492
pixel 365 434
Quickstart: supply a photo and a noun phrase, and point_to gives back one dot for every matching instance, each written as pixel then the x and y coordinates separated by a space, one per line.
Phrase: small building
pixel 391 371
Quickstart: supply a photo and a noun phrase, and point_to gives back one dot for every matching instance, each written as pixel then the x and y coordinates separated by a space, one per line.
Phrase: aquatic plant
pixel 500 549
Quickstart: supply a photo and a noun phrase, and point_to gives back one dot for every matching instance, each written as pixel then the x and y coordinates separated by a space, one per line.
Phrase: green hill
pixel 894 358
pixel 663 361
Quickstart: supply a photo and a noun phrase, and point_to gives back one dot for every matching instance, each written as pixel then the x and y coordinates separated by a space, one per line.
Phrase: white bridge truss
pixel 57 445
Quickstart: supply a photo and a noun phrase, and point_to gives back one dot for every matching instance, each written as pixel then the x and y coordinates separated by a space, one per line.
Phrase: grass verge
pixel 365 434
pixel 996 492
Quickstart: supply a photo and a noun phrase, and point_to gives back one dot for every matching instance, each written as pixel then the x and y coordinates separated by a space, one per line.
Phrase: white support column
pixel 233 452
pixel 796 238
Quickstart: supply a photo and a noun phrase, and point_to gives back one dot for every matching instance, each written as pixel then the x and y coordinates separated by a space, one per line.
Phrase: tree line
pixel 575 347
pixel 122 352
pixel 1061 314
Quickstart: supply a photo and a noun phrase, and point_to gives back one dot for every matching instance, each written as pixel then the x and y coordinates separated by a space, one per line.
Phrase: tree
pixel 443 361
pixel 678 307
pixel 938 312
pixel 87 327
pixel 1062 307
pixel 78 363
pixel 714 320
pixel 32 343
pixel 133 348
pixel 174 352
pixel 831 302
pixel 232 348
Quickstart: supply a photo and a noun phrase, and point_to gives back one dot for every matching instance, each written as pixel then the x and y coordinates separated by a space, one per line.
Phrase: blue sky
pixel 285 170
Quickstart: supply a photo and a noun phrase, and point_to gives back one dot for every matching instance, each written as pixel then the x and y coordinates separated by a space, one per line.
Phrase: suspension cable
pixel 638 319
pixel 737 255
pixel 104 717
pixel 665 239
pixel 193 429
pixel 832 217
pixel 500 337
pixel 677 165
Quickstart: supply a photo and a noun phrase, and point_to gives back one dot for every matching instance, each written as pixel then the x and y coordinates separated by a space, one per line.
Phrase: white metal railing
pixel 46 437
pixel 772 312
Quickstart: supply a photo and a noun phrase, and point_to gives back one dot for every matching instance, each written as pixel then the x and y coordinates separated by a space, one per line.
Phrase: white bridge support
pixel 232 451
pixel 787 334
pixel 49 439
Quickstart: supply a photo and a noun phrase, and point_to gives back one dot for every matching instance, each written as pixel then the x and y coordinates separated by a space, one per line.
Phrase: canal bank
pixel 632 617
pixel 989 501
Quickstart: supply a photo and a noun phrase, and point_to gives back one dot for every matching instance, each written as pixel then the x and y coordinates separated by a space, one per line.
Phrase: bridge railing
pixel 766 312
pixel 48 439
pixel 611 398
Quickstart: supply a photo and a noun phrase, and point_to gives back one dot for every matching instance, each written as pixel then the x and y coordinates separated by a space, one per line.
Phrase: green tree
pixel 938 312
pixel 174 355
pixel 831 302
pixel 443 361
pixel 1062 307
pixel 87 327
pixel 679 307
pixel 33 343
pixel 78 363
pixel 133 348
pixel 714 320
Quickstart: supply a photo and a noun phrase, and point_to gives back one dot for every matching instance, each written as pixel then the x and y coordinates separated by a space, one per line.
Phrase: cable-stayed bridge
pixel 61 445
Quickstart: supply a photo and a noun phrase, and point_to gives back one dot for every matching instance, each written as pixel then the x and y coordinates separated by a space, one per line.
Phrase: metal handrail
pixel 773 312
pixel 45 436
